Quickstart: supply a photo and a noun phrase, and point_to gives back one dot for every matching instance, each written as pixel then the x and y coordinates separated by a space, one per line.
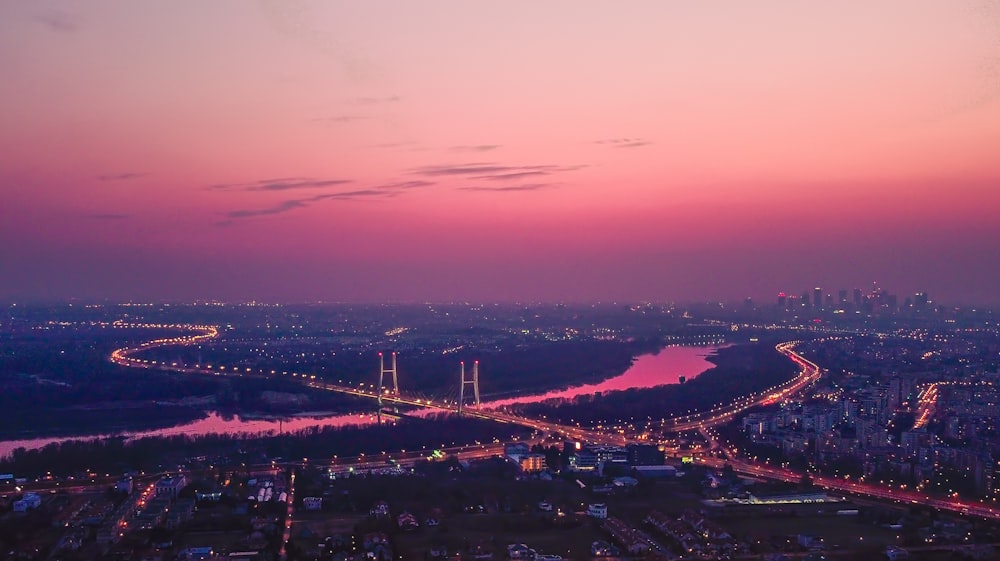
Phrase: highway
pixel 808 373
pixel 899 495
pixel 202 333
pixel 701 422
pixel 722 414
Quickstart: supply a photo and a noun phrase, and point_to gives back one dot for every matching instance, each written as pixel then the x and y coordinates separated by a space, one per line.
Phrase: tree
pixel 805 482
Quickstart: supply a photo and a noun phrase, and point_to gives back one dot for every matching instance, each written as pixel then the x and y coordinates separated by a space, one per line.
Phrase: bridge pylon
pixel 383 371
pixel 381 380
pixel 463 382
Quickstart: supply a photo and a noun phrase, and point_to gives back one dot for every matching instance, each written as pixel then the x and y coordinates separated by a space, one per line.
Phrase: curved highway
pixel 808 374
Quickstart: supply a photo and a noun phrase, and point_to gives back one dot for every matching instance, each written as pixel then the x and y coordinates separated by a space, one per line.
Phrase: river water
pixel 665 367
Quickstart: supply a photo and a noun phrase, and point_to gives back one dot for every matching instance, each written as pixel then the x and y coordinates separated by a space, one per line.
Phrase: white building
pixel 170 486
pixel 597 510
pixel 28 502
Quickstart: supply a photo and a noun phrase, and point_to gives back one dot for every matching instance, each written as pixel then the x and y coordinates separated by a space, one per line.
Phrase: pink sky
pixel 287 150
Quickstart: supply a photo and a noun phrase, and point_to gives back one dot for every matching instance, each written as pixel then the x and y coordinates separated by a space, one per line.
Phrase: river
pixel 665 367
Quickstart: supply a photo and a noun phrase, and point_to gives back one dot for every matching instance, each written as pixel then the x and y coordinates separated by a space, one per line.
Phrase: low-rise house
pixel 170 486
pixel 29 501
pixel 597 510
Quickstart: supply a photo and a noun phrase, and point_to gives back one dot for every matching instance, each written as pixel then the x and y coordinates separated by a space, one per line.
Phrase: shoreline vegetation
pixel 249 400
pixel 739 370
pixel 108 398
pixel 152 454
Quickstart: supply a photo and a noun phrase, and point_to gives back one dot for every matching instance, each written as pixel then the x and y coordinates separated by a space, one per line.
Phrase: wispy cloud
pixel 293 204
pixel 510 188
pixel 58 21
pixel 405 185
pixel 490 170
pixel 624 142
pixel 475 148
pixel 107 216
pixel 283 206
pixel 121 176
pixel 513 175
pixel 280 184
pixel 374 100
pixel 463 169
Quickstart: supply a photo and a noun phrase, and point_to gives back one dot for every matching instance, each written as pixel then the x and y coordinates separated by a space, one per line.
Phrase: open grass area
pixel 483 508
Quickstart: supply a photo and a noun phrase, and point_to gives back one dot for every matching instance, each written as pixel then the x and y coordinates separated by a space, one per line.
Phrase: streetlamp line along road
pixel 808 374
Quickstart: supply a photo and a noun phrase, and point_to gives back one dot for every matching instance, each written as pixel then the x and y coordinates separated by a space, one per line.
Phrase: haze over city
pixel 294 151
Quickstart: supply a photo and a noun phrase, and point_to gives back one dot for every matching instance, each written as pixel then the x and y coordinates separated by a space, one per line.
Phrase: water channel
pixel 668 366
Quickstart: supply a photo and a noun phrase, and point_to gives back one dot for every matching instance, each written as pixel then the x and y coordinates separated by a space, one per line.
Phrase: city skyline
pixel 297 151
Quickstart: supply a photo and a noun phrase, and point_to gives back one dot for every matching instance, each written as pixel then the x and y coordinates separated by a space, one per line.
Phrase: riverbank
pixel 739 370
pixel 202 415
pixel 117 455
pixel 670 365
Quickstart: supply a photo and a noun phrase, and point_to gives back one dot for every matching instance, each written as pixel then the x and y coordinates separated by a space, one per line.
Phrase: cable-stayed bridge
pixel 808 374
pixel 387 392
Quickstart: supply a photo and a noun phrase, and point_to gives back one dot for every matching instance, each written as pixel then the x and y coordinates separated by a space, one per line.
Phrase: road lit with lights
pixel 808 374
pixel 701 422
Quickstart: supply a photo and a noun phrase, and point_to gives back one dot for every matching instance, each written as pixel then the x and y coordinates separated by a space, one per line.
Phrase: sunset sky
pixel 560 150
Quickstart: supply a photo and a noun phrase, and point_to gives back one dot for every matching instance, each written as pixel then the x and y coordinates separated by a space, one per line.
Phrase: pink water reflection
pixel 214 423
pixel 665 367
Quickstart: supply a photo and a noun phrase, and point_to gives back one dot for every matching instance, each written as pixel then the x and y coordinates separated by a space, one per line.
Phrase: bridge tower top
pixel 381 375
pixel 463 382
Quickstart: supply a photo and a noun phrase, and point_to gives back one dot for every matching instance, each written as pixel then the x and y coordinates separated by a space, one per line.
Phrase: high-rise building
pixel 857 298
pixel 842 297
pixel 817 297
pixel 782 300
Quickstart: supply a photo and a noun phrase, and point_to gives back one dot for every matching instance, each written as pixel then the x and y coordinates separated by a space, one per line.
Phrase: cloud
pixel 510 188
pixel 107 216
pixel 121 176
pixel 283 206
pixel 58 21
pixel 475 148
pixel 463 169
pixel 293 204
pixel 512 176
pixel 489 170
pixel 280 184
pixel 404 185
pixel 624 142
pixel 374 100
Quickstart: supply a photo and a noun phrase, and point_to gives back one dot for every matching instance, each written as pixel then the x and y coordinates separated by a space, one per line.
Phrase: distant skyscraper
pixel 842 297
pixel 857 298
pixel 920 301
pixel 782 300
pixel 817 297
